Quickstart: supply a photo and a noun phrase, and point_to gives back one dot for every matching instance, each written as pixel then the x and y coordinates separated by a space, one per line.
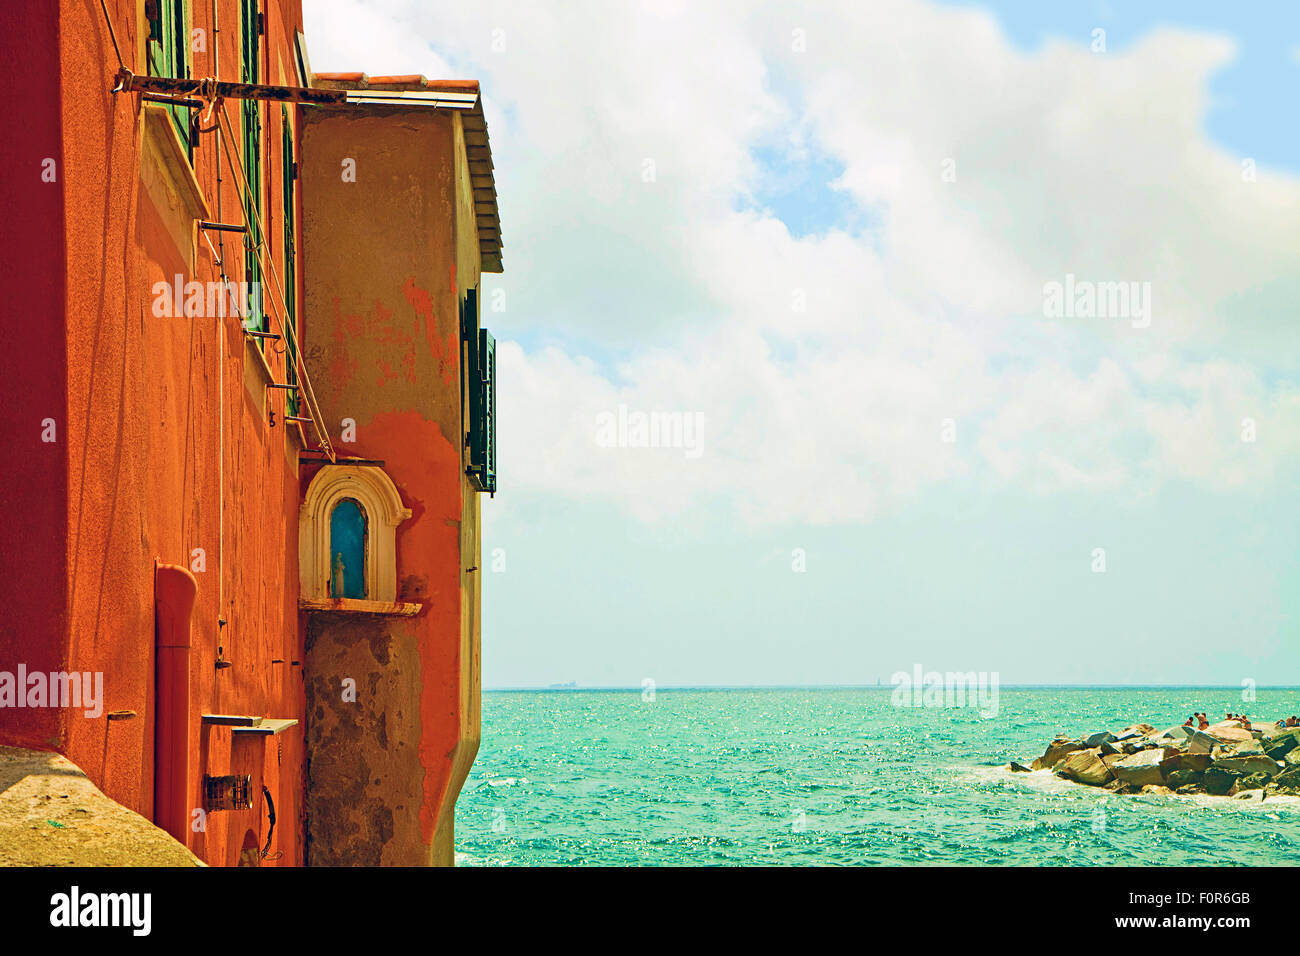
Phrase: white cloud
pixel 1065 161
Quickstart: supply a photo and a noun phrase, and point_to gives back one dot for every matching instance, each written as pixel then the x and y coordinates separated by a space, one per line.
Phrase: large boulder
pixel 1086 766
pixel 1253 781
pixel 1018 768
pixel 1200 742
pixel 1136 730
pixel 1289 779
pixel 1230 732
pixel 1183 778
pixel 1057 750
pixel 1283 743
pixel 1099 738
pixel 1142 768
pixel 1198 762
pixel 1218 781
pixel 1251 763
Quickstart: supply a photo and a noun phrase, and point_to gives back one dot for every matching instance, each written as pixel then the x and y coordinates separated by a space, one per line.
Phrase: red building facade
pixel 253 419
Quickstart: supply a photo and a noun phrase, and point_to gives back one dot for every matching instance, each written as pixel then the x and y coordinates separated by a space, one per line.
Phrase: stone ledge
pixel 52 815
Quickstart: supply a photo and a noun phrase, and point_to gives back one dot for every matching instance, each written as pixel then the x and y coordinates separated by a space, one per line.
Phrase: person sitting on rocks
pixel 1187 722
pixel 1204 722
pixel 1293 721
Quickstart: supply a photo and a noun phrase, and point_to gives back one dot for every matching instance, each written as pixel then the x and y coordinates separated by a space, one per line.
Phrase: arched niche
pixel 372 492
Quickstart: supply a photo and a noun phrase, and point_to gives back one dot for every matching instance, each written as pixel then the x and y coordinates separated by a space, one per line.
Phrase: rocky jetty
pixel 1225 760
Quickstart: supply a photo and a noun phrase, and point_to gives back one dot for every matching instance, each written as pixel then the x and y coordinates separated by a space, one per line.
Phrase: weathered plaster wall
pixel 147 398
pixel 380 264
pixel 469 660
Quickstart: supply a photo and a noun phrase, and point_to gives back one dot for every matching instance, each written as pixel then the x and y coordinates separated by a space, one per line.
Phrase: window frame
pixel 250 64
pixel 289 179
pixel 167 54
pixel 381 503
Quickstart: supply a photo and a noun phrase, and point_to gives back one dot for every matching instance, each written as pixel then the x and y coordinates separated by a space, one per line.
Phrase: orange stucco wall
pixel 164 431
pixel 171 447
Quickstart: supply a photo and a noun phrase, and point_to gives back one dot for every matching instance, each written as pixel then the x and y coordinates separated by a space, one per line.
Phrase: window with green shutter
pixel 481 369
pixel 250 72
pixel 288 177
pixel 168 54
pixel 486 419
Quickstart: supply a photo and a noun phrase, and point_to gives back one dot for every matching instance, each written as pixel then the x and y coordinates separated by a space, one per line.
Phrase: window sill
pixel 169 180
pixel 259 726
pixel 299 433
pixel 167 147
pixel 256 357
pixel 357 606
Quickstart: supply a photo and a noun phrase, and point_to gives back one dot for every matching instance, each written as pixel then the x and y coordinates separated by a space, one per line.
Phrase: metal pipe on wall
pixel 174 592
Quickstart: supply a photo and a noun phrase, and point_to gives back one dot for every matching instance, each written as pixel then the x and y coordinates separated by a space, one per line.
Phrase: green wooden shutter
pixel 250 23
pixel 288 173
pixel 483 431
pixel 168 54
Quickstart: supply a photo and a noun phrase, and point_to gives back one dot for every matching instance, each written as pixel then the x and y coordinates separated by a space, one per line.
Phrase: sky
pixel 836 241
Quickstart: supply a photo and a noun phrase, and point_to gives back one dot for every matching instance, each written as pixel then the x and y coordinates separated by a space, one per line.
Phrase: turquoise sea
pixel 838 777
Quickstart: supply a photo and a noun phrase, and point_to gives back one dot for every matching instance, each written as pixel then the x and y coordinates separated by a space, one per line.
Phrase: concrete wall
pixel 383 276
pixel 138 473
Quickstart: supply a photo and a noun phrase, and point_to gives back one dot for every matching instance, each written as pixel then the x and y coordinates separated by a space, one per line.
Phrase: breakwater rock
pixel 1225 759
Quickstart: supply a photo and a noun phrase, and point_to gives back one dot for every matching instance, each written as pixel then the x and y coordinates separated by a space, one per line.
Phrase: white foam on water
pixel 1048 782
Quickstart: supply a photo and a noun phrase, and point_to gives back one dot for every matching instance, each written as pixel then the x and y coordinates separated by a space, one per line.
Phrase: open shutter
pixel 483 407
pixel 488 363
pixel 250 53
pixel 167 54
pixel 288 171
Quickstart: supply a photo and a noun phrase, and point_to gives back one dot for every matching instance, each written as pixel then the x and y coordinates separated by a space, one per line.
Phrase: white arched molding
pixel 378 497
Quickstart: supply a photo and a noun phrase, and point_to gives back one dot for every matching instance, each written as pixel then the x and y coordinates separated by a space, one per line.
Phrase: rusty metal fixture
pixel 221 226
pixel 222 663
pixel 229 792
pixel 211 88
pixel 121 715
pixel 187 102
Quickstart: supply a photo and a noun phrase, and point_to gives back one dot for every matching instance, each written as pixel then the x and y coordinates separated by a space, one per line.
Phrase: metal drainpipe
pixel 174 593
